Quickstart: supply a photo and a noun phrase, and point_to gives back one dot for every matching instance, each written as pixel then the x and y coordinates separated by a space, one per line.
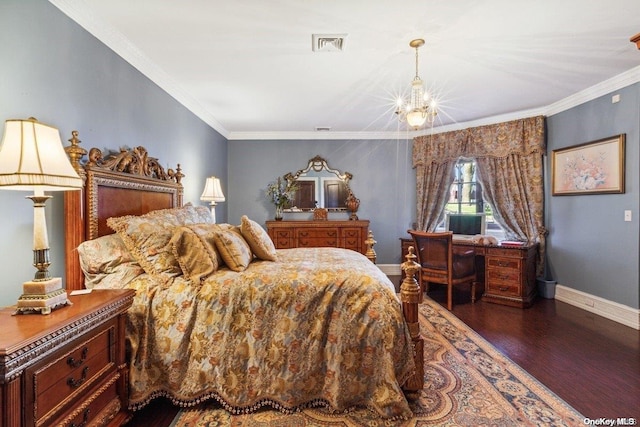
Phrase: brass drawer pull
pixel 504 288
pixel 77 383
pixel 75 363
pixel 85 419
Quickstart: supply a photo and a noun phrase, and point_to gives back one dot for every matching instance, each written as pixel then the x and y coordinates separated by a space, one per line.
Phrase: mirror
pixel 319 186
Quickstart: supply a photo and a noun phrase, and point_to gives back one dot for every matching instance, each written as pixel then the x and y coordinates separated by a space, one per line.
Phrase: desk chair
pixel 441 265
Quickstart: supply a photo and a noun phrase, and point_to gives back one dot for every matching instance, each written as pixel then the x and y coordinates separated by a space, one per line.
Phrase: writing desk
pixel 507 274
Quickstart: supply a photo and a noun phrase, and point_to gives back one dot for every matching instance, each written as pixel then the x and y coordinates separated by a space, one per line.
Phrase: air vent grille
pixel 329 42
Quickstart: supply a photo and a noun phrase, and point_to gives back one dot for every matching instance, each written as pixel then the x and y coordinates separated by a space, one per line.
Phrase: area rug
pixel 467 383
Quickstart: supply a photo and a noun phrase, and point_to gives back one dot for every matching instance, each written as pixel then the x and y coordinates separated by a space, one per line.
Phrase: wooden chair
pixel 441 265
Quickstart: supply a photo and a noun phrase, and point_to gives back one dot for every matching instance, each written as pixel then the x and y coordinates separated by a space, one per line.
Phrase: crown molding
pixel 618 82
pixel 116 41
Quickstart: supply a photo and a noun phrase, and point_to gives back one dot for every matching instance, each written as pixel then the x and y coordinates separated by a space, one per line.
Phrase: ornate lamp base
pixel 42 296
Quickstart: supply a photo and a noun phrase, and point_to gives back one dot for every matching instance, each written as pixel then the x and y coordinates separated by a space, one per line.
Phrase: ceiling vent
pixel 329 42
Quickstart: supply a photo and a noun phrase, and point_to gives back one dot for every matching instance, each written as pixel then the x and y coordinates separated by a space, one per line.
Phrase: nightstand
pixel 68 367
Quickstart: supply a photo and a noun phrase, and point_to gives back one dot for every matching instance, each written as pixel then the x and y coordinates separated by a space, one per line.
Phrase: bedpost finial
pixel 76 153
pixel 178 174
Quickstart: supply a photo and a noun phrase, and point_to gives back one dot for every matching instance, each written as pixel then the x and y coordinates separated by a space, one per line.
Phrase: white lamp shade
pixel 212 190
pixel 32 157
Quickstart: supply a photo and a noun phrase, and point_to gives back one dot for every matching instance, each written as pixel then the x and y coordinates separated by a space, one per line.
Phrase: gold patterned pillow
pixel 107 263
pixel 195 249
pixel 233 249
pixel 147 236
pixel 258 239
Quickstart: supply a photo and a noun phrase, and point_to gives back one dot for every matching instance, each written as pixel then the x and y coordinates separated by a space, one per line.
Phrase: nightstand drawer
pixel 67 373
pixel 101 405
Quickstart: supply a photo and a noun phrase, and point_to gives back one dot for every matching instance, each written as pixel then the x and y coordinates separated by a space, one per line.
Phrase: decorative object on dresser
pixel 212 193
pixel 67 368
pixel 635 39
pixel 314 234
pixel 507 273
pixel 32 158
pixel 320 214
pixel 281 192
pixel 353 203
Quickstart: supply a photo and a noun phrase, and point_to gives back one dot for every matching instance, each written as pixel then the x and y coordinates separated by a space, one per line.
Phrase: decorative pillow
pixel 233 249
pixel 107 263
pixel 258 239
pixel 147 236
pixel 195 249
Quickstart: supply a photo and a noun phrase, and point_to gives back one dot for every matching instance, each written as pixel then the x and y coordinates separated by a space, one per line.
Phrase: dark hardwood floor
pixel 590 362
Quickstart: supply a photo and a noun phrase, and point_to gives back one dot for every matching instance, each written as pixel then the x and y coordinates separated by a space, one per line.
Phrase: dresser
pixel 68 367
pixel 312 234
pixel 507 273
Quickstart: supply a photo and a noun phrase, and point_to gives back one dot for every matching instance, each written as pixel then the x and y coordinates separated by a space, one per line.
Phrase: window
pixel 465 197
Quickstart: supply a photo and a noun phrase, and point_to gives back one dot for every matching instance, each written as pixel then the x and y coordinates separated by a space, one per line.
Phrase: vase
pixel 278 213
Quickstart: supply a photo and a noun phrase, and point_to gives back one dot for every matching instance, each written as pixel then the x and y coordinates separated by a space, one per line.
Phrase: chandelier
pixel 421 107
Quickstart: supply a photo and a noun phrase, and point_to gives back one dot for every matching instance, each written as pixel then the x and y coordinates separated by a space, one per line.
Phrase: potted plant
pixel 281 193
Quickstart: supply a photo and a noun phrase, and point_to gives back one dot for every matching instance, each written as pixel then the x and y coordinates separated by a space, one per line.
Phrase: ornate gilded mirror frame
pixel 347 201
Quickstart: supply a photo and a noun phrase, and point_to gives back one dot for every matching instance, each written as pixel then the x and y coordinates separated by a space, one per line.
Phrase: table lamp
pixel 212 193
pixel 32 158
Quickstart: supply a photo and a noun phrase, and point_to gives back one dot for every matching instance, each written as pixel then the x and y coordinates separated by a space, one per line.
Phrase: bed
pixel 221 314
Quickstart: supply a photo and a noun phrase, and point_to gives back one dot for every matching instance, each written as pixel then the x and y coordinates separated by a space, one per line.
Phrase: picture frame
pixel 596 167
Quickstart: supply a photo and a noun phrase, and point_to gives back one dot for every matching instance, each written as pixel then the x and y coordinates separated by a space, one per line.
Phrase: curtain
pixel 510 169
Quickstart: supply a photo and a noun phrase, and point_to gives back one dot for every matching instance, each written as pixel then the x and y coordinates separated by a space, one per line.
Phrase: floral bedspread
pixel 320 326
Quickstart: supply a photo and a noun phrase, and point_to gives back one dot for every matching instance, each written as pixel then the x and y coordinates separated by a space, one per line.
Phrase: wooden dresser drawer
pixel 69 372
pixel 282 239
pixel 503 288
pixel 317 233
pixel 503 263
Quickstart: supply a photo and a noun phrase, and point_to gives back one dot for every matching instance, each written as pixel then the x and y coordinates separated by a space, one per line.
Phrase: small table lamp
pixel 212 193
pixel 32 158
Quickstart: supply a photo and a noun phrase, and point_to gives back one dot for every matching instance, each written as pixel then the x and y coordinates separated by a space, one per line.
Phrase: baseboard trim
pixel 620 313
pixel 390 269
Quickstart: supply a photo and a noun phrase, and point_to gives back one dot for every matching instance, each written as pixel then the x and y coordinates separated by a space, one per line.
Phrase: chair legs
pixel 450 295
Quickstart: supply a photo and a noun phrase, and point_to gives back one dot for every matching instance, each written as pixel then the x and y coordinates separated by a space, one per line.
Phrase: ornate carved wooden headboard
pixel 129 182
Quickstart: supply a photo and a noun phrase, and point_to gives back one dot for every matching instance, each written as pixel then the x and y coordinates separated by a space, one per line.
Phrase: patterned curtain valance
pixel 523 136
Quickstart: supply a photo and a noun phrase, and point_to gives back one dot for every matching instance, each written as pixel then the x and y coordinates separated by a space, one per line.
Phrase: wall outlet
pixel 588 302
pixel 615 98
pixel 627 215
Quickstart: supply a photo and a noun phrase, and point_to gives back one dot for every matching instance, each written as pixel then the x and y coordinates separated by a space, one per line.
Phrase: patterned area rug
pixel 467 383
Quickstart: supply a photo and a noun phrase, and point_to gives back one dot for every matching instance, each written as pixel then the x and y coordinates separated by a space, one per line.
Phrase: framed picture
pixel 595 167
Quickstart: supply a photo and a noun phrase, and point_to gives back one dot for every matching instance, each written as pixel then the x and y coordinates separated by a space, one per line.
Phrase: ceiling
pixel 248 69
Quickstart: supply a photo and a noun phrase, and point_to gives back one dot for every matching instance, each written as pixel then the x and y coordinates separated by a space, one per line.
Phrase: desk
pixel 507 274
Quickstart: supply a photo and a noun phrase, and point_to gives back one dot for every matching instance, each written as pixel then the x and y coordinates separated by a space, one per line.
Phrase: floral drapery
pixel 509 157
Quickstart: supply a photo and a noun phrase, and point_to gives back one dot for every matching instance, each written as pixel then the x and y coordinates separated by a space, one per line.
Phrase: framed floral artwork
pixel 595 167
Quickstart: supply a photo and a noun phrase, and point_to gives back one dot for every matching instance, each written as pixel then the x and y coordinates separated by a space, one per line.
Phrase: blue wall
pixel 591 248
pixel 383 180
pixel 52 69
